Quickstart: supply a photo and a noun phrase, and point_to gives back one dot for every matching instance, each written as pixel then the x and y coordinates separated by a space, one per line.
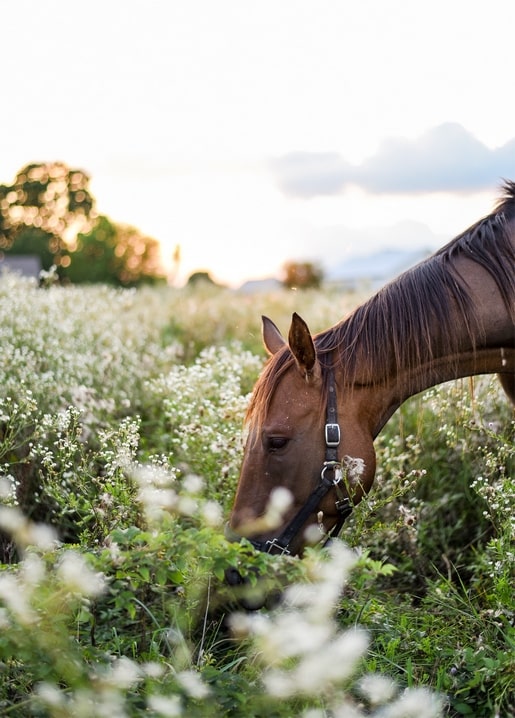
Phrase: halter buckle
pixel 332 435
pixel 344 507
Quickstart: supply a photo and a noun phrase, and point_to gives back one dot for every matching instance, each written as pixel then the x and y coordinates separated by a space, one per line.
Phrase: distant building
pixel 260 285
pixel 375 270
pixel 28 265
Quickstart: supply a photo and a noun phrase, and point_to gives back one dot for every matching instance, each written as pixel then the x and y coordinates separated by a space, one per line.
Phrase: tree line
pixel 49 211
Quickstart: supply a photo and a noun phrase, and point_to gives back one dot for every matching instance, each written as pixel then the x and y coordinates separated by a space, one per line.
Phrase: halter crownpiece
pixel 330 477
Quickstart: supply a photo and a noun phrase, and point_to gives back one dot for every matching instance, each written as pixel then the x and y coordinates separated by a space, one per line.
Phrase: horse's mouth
pixel 250 595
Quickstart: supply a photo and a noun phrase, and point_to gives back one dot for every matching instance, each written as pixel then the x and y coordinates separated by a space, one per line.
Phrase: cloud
pixel 445 158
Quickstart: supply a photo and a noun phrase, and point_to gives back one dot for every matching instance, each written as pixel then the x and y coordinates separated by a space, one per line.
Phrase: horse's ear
pixel 272 337
pixel 302 347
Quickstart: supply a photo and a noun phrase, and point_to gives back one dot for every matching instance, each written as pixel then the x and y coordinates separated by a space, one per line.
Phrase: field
pixel 120 441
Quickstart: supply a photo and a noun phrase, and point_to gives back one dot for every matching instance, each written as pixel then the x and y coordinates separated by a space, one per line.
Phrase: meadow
pixel 121 435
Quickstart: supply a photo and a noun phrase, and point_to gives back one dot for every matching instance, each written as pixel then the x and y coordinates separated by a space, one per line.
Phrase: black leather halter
pixel 331 477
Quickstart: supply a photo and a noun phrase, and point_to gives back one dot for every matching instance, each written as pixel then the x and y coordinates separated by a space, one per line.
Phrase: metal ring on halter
pixel 333 465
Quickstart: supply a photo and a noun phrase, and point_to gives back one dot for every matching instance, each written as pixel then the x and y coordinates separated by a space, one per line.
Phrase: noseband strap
pixel 330 477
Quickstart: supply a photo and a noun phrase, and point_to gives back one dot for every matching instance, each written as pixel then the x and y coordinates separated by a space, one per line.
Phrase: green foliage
pixel 442 513
pixel 120 439
pixel 45 201
pixel 113 254
pixel 35 241
pixel 49 212
pixel 302 275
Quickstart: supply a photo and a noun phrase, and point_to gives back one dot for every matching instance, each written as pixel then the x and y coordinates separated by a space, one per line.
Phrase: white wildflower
pixel 414 703
pixel 124 673
pixel 354 467
pixel 281 499
pixel 50 695
pixel 78 577
pixel 166 706
pixel 15 596
pixel 315 532
pixel 193 484
pixel 377 689
pixel 280 684
pixel 257 624
pixel 32 570
pixel 242 624
pixel 187 506
pixel 7 486
pixel 346 709
pixel 314 713
pixel 193 684
pixel 335 663
pixel 341 560
pixel 63 419
pixel 212 513
pixel 317 600
pixel 278 504
pixel 42 536
pixel 153 669
pixel 26 532
pixel 320 599
pixel 86 702
pixel 291 635
pixel 152 475
pixel 155 499
pixel 11 519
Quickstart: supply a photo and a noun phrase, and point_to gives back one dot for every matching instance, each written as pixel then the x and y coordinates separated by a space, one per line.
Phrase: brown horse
pixel 321 401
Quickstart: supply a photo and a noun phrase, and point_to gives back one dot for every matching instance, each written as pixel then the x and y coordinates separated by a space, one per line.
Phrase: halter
pixel 330 477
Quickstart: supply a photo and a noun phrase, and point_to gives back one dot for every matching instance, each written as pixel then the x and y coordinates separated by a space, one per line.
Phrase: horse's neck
pixel 485 346
pixel 384 400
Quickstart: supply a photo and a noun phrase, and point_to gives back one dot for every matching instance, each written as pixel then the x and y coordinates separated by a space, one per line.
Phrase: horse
pixel 321 400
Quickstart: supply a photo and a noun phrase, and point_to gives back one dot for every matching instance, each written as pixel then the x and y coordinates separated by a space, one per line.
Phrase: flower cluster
pixel 304 651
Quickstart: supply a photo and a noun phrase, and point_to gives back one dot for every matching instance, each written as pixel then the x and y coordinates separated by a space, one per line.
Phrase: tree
pixel 49 211
pixel 35 241
pixel 302 275
pixel 113 253
pixel 49 203
pixel 199 278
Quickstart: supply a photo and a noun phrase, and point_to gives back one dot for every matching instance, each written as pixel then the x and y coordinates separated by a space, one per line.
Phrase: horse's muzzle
pixel 249 596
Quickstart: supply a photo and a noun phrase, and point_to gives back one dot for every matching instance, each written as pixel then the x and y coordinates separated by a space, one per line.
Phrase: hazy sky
pixel 253 132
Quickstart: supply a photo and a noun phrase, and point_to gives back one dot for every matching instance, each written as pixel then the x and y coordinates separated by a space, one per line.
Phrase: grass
pixel 120 443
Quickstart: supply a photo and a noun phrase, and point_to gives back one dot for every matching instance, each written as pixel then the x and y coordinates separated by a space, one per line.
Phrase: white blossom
pixel 377 689
pixel 78 577
pixel 193 684
pixel 166 706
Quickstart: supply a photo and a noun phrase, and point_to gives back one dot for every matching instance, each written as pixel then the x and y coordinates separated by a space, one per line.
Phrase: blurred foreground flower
pixel 305 653
pixel 25 532
pixel 77 577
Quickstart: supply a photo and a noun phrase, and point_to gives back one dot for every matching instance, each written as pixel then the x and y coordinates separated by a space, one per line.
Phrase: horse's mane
pixel 427 298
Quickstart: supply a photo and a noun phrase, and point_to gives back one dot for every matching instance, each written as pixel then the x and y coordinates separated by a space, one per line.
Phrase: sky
pixel 255 132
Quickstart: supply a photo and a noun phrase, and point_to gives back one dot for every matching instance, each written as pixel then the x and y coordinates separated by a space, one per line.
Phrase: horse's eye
pixel 276 442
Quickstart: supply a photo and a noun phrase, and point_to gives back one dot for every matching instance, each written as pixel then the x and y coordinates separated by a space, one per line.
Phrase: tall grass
pixel 120 441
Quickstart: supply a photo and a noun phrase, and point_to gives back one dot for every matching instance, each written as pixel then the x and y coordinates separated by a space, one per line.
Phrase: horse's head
pixel 309 454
